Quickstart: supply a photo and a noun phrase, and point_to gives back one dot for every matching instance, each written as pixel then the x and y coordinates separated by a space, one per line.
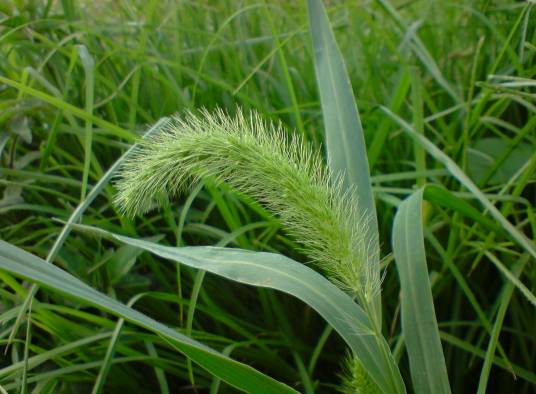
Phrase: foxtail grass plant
pixel 434 172
pixel 280 171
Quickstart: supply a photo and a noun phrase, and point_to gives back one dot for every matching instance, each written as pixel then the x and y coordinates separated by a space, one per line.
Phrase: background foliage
pixel 78 83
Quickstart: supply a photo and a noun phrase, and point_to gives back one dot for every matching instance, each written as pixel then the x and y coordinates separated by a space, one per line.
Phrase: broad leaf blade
pixel 419 324
pixel 241 376
pixel 281 273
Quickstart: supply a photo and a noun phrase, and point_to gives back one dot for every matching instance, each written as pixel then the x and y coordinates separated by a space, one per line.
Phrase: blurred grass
pixel 462 73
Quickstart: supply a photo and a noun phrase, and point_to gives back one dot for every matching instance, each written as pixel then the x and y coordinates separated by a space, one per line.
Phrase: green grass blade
pixel 464 286
pixel 442 197
pixel 70 109
pixel 24 384
pixel 286 73
pixel 419 324
pixel 48 355
pixel 89 70
pixel 32 268
pixel 520 372
pixel 457 173
pixel 281 273
pixel 505 297
pixel 418 122
pixel 159 372
pixel 382 131
pixel 198 283
pixel 512 278
pixel 76 215
pixel 420 50
pixel 345 142
pixel 98 384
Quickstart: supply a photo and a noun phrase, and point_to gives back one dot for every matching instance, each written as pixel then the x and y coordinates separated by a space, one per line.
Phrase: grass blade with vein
pixel 345 142
pixel 281 273
pixel 241 376
pixel 419 324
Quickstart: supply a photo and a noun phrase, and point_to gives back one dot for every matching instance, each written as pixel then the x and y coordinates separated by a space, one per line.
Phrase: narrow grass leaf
pixel 30 267
pixel 382 131
pixel 76 215
pixel 441 196
pixel 512 278
pixel 505 297
pixel 420 50
pixel 281 273
pixel 345 142
pixel 98 384
pixel 48 355
pixel 70 109
pixel 457 173
pixel 520 372
pixel 419 324
pixel 89 70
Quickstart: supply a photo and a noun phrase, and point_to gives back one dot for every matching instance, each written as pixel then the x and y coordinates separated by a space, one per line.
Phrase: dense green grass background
pixel 79 82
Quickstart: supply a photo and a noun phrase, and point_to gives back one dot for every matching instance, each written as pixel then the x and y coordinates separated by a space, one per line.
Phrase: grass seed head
pixel 258 159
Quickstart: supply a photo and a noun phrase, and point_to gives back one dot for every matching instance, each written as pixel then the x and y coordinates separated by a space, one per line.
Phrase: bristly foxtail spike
pixel 258 159
pixel 355 380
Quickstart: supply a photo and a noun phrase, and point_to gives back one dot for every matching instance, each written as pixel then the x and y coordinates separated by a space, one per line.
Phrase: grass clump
pixel 260 160
pixel 154 58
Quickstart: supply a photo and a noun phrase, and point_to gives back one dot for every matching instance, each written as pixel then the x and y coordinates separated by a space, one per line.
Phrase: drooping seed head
pixel 258 159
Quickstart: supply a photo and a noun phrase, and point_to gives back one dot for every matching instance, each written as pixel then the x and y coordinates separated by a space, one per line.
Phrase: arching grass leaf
pixel 30 267
pixel 281 273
